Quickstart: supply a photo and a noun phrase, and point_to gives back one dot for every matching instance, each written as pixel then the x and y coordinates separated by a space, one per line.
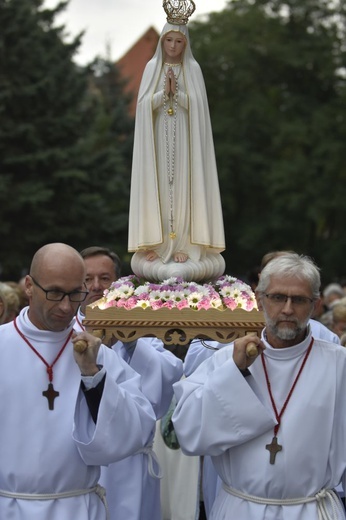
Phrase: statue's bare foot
pixel 180 257
pixel 151 255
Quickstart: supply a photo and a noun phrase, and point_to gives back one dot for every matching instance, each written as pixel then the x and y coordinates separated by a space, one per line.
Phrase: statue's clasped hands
pixel 170 82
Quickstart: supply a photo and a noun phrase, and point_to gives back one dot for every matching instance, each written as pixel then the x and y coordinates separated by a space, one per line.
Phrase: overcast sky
pixel 120 23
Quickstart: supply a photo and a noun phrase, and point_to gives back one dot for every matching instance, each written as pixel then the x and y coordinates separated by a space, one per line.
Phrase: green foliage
pixel 275 76
pixel 64 141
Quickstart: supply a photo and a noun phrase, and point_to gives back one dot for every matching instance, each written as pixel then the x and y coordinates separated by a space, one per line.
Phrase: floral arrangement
pixel 226 292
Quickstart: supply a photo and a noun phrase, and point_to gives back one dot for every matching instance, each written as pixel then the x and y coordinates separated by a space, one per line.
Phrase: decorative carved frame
pixel 172 326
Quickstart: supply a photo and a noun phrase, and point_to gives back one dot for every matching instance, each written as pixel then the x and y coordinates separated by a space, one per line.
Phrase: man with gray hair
pixel 274 423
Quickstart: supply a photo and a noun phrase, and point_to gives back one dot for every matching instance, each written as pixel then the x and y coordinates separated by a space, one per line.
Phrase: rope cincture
pixel 99 490
pixel 321 498
pixel 150 453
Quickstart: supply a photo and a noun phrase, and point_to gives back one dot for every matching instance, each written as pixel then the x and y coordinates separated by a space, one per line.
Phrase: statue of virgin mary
pixel 175 219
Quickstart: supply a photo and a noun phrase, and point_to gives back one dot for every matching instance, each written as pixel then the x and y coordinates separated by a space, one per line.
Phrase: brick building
pixel 132 64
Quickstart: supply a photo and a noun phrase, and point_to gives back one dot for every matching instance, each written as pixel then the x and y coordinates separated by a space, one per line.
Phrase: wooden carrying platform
pixel 172 326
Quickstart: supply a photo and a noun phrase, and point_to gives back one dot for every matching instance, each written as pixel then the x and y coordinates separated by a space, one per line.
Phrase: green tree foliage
pixel 275 76
pixel 109 158
pixel 64 150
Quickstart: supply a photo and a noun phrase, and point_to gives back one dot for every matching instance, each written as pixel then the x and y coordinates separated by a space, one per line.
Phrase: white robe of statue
pixel 188 217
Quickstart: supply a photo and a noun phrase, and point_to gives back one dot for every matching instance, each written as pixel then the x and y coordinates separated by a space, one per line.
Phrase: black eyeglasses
pixel 281 299
pixel 54 295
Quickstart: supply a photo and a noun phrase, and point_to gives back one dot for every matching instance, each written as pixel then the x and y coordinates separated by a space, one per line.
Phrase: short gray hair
pixel 291 264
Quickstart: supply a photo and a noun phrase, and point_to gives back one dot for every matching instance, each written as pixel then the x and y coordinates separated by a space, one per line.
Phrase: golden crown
pixel 178 11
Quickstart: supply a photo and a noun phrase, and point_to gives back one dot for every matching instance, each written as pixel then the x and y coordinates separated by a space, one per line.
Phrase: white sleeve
pixel 219 408
pixel 158 369
pixel 125 418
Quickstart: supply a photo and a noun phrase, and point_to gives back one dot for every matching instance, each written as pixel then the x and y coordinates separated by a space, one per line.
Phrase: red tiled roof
pixel 132 64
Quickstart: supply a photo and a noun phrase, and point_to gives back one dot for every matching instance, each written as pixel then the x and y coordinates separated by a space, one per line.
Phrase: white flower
pixel 155 295
pixel 216 303
pixel 226 292
pixel 194 297
pixel 118 293
pixel 233 290
pixel 142 289
pixel 171 281
pixel 177 296
pixel 144 304
pixel 166 294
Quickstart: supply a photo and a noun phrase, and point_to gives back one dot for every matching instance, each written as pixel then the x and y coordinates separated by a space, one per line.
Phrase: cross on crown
pixel 178 11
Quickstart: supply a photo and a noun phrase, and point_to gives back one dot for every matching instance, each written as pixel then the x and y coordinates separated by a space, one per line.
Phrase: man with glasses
pixel 132 484
pixel 317 328
pixel 200 351
pixel 64 412
pixel 274 424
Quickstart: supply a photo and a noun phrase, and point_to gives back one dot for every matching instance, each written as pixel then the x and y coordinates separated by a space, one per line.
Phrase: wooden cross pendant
pixel 51 394
pixel 274 448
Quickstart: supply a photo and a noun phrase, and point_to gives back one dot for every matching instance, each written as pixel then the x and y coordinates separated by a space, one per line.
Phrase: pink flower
pixel 250 305
pixel 130 303
pixel 156 304
pixel 204 303
pixel 230 303
pixel 183 304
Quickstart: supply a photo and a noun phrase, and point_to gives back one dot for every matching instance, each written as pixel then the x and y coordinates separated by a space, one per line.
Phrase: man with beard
pixel 198 352
pixel 274 423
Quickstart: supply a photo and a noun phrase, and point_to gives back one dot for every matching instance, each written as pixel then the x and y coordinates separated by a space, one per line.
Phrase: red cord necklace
pixel 274 447
pixel 50 393
pixel 80 323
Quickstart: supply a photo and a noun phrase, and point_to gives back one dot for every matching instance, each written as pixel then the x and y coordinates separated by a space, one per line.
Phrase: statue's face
pixel 173 46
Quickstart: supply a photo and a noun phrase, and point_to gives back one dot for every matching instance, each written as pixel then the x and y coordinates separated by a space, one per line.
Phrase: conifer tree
pixel 58 181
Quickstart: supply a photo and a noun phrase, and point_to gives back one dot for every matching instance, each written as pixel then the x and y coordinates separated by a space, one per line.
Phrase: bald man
pixel 61 408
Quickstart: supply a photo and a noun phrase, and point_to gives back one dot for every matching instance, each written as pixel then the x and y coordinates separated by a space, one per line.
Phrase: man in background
pixel 133 484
